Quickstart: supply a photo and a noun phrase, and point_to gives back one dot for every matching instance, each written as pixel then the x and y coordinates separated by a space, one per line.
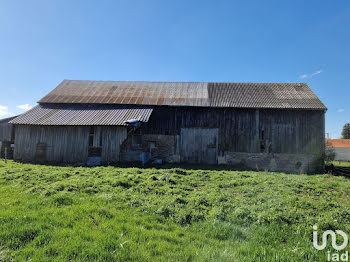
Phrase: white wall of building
pixel 342 153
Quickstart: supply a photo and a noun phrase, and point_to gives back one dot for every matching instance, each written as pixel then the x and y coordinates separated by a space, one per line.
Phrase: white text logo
pixel 333 235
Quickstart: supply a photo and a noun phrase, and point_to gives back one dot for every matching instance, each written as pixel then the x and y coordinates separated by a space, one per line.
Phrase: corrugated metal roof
pixel 338 142
pixel 243 95
pixel 137 93
pixel 263 95
pixel 69 115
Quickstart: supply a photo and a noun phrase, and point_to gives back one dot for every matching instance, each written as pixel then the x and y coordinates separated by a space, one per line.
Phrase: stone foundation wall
pixel 156 146
pixel 165 147
pixel 288 163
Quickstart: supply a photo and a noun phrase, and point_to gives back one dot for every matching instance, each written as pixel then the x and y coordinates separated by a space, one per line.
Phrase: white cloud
pixel 25 107
pixel 341 110
pixel 316 73
pixel 303 76
pixel 4 111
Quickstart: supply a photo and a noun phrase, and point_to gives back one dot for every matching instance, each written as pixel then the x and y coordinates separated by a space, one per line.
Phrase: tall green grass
pixel 50 213
pixel 341 163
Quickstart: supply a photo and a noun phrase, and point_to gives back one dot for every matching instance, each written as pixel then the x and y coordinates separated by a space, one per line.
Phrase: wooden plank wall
pixel 5 131
pixel 199 145
pixel 300 132
pixel 63 144
pixel 66 144
pixel 237 128
pixel 112 138
pixel 240 130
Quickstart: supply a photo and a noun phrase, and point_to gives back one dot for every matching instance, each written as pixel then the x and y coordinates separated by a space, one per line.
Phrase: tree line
pixel 346 131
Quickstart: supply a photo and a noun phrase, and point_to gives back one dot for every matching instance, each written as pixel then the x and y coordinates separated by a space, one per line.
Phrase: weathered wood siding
pixel 242 130
pixel 63 144
pixel 293 131
pixel 258 135
pixel 273 139
pixel 6 133
pixel 112 138
pixel 6 138
pixel 199 145
pixel 66 144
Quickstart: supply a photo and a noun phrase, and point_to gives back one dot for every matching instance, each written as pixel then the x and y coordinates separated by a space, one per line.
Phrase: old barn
pixel 265 126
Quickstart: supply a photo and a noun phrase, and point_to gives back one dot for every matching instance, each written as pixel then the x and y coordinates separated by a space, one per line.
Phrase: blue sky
pixel 44 42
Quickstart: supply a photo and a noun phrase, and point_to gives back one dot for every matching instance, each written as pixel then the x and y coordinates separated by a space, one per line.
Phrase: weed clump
pixel 63 200
pixel 181 172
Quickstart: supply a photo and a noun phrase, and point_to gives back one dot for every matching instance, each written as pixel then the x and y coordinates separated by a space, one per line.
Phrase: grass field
pixel 50 213
pixel 340 163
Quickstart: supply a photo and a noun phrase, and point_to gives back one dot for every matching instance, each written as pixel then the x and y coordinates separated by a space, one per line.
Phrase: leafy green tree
pixel 329 154
pixel 346 131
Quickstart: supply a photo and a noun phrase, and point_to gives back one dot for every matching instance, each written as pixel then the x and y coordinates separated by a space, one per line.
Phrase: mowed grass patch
pixel 50 213
pixel 340 163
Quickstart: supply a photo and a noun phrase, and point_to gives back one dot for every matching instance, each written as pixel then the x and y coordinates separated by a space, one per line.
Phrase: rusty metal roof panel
pixel 67 115
pixel 263 95
pixel 146 93
pixel 241 95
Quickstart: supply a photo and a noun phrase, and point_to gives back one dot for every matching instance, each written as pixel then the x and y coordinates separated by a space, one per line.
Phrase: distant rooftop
pixel 200 94
pixel 7 119
pixel 338 142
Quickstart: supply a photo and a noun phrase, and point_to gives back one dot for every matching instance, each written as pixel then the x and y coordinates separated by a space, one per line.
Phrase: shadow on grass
pixel 148 165
pixel 163 166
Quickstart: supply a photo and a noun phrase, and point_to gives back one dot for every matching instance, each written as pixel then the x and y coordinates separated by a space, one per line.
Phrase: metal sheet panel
pixel 143 93
pixel 70 115
pixel 263 95
pixel 234 95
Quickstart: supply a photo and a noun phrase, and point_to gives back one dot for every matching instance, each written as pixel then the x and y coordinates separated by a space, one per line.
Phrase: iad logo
pixel 330 256
pixel 334 239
